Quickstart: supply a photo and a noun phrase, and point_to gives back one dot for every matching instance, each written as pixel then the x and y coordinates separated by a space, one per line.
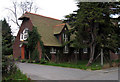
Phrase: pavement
pixel 44 72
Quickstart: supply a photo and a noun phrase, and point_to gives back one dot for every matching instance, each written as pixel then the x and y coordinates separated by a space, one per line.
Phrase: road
pixel 44 72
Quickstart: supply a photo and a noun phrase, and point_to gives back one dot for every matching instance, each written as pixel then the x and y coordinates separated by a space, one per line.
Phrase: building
pixel 53 35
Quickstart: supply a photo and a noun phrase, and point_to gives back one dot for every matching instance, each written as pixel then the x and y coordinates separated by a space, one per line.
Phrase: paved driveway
pixel 44 72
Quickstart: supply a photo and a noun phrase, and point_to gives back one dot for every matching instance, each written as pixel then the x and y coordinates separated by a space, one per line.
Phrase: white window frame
pixel 76 51
pixel 53 50
pixel 24 35
pixel 65 37
pixel 21 37
pixel 85 50
pixel 25 30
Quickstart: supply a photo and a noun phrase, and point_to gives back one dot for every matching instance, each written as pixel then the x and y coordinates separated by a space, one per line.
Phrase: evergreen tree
pixel 6 38
pixel 93 27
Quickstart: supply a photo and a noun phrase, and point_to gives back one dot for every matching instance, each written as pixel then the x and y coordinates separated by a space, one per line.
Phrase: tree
pixel 6 39
pixel 21 8
pixel 93 27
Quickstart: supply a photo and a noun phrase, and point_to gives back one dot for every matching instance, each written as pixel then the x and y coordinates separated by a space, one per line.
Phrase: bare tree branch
pixel 24 6
pixel 31 6
pixel 35 9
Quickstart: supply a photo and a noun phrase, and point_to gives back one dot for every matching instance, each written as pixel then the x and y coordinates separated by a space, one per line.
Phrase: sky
pixel 50 8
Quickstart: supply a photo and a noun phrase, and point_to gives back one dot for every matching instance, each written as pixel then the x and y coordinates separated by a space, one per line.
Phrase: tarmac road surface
pixel 44 72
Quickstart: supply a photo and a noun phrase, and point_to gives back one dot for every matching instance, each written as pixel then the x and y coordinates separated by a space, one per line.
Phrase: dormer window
pixel 24 34
pixel 65 37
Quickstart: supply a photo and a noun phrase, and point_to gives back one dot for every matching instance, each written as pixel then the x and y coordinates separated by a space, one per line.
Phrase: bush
pixel 23 61
pixel 42 61
pixel 16 59
pixel 16 76
pixel 10 70
pixel 35 56
pixel 8 66
pixel 28 61
pixel 116 61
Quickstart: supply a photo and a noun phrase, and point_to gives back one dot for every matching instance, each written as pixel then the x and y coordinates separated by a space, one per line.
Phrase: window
pixel 76 51
pixel 65 38
pixel 53 50
pixel 21 37
pixel 85 50
pixel 24 35
pixel 66 49
pixel 25 30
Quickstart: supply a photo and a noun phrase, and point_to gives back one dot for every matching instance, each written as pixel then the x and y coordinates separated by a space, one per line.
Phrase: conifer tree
pixel 6 38
pixel 93 27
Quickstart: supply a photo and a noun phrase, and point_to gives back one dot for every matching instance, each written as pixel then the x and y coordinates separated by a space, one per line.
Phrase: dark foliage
pixel 8 67
pixel 6 39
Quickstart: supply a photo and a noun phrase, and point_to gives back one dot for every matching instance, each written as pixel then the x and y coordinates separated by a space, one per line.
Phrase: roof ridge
pixel 42 16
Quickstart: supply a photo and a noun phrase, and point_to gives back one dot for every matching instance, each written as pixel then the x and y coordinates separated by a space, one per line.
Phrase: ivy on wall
pixel 33 39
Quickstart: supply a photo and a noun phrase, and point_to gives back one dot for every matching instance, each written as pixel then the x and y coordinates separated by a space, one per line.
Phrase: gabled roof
pixel 58 28
pixel 45 27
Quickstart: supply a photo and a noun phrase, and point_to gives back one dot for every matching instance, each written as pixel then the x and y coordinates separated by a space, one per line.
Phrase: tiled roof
pixel 25 15
pixel 58 28
pixel 45 27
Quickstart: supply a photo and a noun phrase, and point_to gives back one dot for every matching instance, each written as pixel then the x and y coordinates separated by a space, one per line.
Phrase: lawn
pixel 79 65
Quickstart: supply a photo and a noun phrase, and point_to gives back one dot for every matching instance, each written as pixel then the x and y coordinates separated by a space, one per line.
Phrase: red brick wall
pixel 113 56
pixel 39 50
pixel 53 58
pixel 84 57
pixel 16 49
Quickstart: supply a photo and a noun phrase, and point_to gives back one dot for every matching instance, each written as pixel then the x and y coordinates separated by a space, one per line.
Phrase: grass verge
pixel 78 65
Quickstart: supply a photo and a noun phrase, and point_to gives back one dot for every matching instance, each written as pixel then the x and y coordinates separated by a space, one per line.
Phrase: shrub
pixel 35 56
pixel 16 59
pixel 8 66
pixel 23 60
pixel 43 61
pixel 116 61
pixel 10 70
pixel 28 61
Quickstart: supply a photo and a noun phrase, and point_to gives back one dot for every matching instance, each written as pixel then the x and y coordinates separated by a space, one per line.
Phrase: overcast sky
pixel 51 8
